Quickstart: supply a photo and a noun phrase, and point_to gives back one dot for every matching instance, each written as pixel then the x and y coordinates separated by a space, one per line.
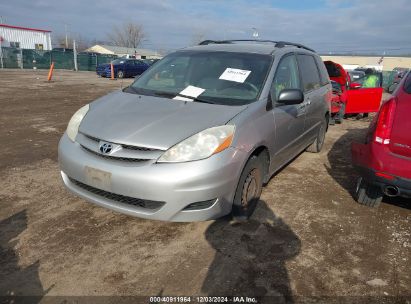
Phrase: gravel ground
pixel 308 238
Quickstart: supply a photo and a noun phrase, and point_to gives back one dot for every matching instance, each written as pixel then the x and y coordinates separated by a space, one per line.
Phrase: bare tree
pixel 127 35
pixel 82 43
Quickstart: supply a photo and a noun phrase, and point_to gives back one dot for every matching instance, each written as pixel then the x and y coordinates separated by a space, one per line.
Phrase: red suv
pixel 384 160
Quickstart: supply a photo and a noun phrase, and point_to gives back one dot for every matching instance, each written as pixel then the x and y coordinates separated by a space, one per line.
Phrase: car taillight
pixel 384 122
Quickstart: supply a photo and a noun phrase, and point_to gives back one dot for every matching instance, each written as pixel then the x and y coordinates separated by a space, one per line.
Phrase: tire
pixel 392 87
pixel 248 189
pixel 368 195
pixel 120 74
pixel 318 143
pixel 339 118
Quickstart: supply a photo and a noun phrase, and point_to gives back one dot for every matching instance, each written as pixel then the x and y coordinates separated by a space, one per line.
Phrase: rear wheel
pixel 317 145
pixel 392 87
pixel 339 118
pixel 248 189
pixel 367 194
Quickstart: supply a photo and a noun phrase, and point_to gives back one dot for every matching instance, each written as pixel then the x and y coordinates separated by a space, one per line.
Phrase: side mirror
pixel 355 85
pixel 291 97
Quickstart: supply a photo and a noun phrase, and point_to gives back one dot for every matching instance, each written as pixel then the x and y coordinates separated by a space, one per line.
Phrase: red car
pixel 384 160
pixel 354 96
pixel 337 103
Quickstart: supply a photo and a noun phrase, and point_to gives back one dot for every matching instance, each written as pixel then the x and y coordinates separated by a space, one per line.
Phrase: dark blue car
pixel 122 68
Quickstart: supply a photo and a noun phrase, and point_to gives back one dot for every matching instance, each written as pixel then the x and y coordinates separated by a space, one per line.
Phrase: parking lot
pixel 308 237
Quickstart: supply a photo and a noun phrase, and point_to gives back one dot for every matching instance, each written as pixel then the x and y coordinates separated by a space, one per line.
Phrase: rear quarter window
pixel 407 84
pixel 309 72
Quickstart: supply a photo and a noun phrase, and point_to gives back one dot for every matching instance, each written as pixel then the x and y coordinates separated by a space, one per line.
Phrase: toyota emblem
pixel 105 147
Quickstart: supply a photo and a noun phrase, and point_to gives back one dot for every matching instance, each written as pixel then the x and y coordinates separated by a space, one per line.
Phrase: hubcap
pixel 250 188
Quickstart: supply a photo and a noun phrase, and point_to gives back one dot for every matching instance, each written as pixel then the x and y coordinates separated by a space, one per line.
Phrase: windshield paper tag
pixel 190 91
pixel 236 75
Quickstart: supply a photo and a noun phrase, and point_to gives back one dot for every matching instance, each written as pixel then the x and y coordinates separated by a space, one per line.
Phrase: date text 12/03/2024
pixel 203 299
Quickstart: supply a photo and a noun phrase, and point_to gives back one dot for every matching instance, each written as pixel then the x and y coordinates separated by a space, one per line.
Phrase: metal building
pixel 24 37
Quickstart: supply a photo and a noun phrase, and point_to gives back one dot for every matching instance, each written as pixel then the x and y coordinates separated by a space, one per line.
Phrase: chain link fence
pixel 13 58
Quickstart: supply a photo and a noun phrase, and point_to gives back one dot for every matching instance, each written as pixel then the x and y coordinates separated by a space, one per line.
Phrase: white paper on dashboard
pixel 190 91
pixel 236 75
pixel 182 98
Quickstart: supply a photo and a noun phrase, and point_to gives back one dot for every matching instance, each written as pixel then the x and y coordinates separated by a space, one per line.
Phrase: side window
pixel 325 79
pixel 286 76
pixel 309 72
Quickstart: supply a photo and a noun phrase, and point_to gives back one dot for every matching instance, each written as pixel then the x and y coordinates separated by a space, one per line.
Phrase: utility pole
pixel 65 29
pixel 75 55
pixel 1 52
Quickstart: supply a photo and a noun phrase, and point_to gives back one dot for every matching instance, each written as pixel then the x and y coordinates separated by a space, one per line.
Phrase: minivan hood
pixel 151 122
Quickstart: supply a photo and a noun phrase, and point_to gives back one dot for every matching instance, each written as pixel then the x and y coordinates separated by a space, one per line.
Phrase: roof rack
pixel 281 44
pixel 278 44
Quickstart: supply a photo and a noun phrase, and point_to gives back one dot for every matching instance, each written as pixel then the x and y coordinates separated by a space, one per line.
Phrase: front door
pixel 364 95
pixel 289 119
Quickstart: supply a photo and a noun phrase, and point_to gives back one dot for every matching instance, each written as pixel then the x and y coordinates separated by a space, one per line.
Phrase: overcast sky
pixel 370 26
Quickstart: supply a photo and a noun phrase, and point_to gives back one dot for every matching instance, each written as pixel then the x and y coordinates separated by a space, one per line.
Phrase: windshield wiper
pixel 131 90
pixel 172 95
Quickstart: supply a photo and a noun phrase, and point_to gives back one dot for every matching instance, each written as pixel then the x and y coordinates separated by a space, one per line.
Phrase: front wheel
pixel 248 189
pixel 318 143
pixel 120 74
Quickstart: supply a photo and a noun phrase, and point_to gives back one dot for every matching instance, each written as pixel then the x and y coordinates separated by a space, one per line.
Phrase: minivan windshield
pixel 226 78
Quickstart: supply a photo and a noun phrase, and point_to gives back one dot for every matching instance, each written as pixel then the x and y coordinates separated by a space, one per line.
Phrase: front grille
pixel 124 159
pixel 129 147
pixel 91 137
pixel 152 205
pixel 137 148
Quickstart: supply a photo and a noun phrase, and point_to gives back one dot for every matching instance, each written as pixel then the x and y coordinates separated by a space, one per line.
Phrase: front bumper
pixel 177 185
pixel 104 73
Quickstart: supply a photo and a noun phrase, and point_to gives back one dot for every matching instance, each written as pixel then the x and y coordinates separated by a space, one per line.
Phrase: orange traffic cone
pixel 50 72
pixel 112 71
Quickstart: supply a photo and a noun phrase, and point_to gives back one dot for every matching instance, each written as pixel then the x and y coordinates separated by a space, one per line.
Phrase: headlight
pixel 74 123
pixel 200 145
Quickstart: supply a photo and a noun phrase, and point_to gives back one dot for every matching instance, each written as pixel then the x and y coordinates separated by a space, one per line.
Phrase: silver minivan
pixel 197 135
